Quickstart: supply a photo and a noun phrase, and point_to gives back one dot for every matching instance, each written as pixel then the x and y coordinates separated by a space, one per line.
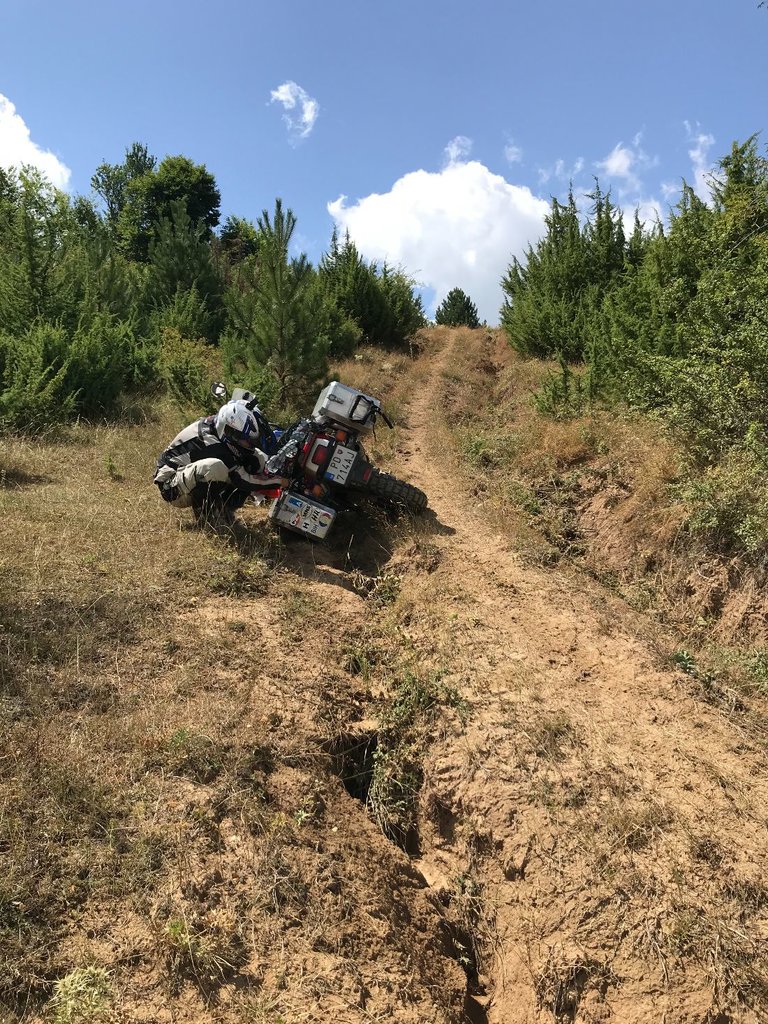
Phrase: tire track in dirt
pixel 585 778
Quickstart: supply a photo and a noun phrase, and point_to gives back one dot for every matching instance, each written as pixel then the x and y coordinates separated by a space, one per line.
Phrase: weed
pixel 560 984
pixel 712 688
pixel 487 450
pixel 395 784
pixel 206 952
pixel 381 590
pixel 397 776
pixel 360 658
pixel 236 576
pixel 113 471
pixel 635 827
pixel 550 735
pixel 385 590
pixel 81 996
pixel 297 606
pixel 261 1010
pixel 707 849
pixel 731 957
pixel 311 808
pixel 189 753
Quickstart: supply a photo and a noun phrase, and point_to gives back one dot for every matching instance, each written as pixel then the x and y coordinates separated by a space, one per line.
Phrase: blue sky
pixel 446 125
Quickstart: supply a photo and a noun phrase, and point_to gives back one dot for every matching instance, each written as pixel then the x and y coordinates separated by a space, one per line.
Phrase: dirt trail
pixel 612 821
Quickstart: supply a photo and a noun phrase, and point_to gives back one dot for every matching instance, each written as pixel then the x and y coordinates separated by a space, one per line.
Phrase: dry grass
pixel 602 490
pixel 162 796
pixel 391 377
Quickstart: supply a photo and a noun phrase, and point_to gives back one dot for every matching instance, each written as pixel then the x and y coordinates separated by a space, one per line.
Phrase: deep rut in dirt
pixel 602 826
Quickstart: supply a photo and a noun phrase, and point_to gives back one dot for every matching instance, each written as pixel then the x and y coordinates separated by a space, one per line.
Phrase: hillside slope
pixel 558 826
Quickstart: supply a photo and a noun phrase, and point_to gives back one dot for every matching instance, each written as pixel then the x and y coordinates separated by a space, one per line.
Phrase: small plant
pixel 551 735
pixel 297 606
pixel 397 776
pixel 113 470
pixel 636 827
pixel 195 950
pixel 310 809
pixel 193 755
pixel 385 590
pixel 711 688
pixel 687 932
pixel 360 659
pixel 83 995
pixel 685 661
pixel 261 1010
pixel 238 576
pixel 380 590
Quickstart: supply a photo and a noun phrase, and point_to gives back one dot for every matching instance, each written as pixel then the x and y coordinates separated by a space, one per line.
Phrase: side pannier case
pixel 347 406
pixel 302 515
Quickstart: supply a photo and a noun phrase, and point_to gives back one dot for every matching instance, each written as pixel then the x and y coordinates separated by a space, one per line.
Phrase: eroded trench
pixel 353 760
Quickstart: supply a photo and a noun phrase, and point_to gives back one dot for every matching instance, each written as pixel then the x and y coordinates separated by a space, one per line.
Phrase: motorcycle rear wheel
pixel 397 492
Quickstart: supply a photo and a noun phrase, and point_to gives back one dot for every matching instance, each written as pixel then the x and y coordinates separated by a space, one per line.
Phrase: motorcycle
pixel 324 460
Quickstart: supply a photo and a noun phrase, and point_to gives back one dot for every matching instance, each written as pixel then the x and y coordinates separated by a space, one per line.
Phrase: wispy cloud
pixel 300 109
pixel 512 153
pixel 18 149
pixel 561 172
pixel 701 142
pixel 626 164
pixel 458 149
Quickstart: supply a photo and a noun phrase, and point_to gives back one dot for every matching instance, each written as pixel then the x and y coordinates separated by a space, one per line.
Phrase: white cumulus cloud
pixel 649 211
pixel 625 167
pixel 18 149
pixel 300 110
pixel 456 228
pixel 618 163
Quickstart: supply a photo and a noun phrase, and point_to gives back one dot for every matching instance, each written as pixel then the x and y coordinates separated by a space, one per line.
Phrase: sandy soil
pixel 613 823
pixel 591 829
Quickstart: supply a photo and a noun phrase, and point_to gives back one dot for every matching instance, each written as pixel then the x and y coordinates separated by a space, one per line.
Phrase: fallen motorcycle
pixel 326 465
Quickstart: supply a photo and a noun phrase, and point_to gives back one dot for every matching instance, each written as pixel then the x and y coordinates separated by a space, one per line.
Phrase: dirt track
pixel 591 828
pixel 613 824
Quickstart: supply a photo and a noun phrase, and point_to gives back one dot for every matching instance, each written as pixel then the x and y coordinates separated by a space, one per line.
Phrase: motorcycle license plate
pixel 340 465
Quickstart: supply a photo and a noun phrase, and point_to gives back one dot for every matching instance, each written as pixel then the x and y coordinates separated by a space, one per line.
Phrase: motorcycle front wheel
pixel 397 492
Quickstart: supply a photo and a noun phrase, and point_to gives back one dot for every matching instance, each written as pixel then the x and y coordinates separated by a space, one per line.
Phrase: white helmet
pixel 236 425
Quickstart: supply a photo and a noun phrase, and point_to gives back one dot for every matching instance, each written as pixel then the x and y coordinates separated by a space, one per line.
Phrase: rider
pixel 215 463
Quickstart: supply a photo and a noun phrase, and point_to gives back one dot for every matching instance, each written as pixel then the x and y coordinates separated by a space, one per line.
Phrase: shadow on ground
pixel 363 541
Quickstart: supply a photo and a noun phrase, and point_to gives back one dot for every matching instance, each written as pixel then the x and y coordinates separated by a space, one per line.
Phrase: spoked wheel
pixel 397 492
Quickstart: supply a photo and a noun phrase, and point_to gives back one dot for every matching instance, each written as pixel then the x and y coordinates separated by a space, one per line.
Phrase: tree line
pixel 672 321
pixel 140 286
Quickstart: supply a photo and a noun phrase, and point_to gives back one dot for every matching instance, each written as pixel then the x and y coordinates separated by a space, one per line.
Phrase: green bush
pixel 34 392
pixel 99 365
pixel 187 369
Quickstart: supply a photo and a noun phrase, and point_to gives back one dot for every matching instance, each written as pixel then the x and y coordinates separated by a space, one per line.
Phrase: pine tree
pixel 272 326
pixel 457 310
pixel 544 311
pixel 353 286
pixel 381 302
pixel 180 261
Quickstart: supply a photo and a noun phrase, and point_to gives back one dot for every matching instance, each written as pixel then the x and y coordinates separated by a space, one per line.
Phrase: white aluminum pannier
pixel 347 406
